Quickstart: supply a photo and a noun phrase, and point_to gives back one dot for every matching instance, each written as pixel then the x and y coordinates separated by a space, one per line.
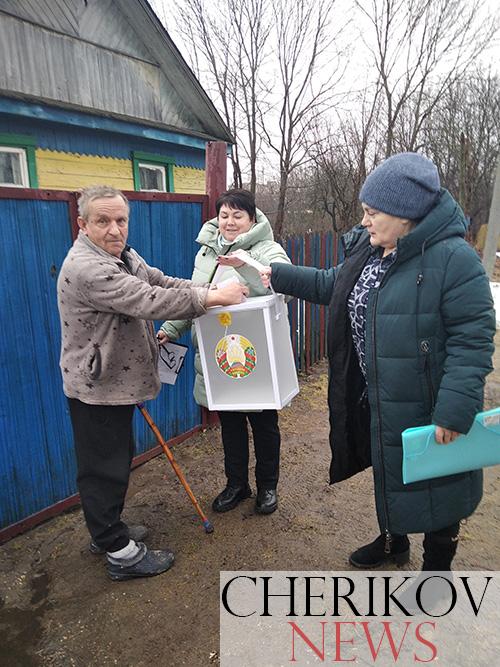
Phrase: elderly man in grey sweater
pixel 108 297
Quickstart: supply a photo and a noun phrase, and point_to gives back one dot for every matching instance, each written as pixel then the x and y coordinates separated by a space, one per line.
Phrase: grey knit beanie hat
pixel 405 185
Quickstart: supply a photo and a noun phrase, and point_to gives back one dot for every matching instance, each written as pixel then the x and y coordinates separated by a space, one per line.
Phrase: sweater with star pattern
pixel 109 351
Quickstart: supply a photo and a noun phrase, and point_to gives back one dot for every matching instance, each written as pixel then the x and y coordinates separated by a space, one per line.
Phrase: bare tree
pixel 227 44
pixel 421 46
pixel 421 50
pixel 274 67
pixel 206 36
pixel 252 30
pixel 304 46
pixel 462 136
pixel 343 157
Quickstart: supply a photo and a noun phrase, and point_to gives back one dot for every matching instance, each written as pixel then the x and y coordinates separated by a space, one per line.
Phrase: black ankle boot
pixel 374 554
pixel 440 548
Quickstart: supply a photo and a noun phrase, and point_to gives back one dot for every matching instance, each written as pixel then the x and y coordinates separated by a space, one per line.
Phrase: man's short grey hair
pixel 97 192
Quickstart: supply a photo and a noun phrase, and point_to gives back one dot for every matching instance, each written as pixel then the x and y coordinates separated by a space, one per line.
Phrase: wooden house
pixel 96 91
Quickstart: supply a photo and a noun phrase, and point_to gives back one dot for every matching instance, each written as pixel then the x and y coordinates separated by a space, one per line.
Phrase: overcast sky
pixel 166 11
pixel 360 70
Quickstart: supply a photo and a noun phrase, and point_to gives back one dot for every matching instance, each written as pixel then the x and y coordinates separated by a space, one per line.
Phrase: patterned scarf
pixel 370 278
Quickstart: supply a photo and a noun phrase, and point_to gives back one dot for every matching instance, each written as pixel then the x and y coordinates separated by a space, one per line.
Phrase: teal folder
pixel 423 458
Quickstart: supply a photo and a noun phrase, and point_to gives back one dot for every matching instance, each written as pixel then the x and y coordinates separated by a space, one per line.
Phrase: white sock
pixel 127 553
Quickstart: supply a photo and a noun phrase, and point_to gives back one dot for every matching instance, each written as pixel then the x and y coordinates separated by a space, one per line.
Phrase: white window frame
pixel 24 167
pixel 159 167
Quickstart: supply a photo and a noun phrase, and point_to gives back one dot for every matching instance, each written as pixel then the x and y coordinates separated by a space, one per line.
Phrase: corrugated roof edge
pixel 33 107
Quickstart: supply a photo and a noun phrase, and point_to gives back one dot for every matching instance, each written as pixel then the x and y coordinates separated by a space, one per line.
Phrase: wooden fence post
pixel 215 173
pixel 73 213
pixel 307 337
pixel 493 230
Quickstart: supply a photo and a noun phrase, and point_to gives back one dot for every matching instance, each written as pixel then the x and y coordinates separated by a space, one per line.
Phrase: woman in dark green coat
pixel 410 341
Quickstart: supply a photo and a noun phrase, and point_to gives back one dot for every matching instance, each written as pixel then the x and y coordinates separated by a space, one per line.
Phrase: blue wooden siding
pixel 37 467
pixel 60 137
pixel 164 235
pixel 36 460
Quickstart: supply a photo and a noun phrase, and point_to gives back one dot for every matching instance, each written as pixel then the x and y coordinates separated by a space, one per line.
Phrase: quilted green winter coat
pixel 429 342
pixel 259 243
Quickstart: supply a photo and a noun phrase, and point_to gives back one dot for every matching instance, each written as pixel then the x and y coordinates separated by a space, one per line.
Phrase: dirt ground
pixel 58 608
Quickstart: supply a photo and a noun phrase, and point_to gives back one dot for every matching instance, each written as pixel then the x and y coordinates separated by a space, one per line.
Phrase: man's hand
pixel 265 276
pixel 230 260
pixel 162 337
pixel 228 295
pixel 444 436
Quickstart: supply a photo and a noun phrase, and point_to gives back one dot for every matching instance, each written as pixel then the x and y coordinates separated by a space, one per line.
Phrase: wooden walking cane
pixel 206 523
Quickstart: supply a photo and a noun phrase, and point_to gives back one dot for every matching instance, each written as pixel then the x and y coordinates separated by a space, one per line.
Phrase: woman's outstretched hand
pixel 230 260
pixel 265 276
pixel 444 436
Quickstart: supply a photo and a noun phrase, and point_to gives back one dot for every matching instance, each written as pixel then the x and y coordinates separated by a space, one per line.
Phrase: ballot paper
pixel 243 256
pixel 170 362
pixel 225 274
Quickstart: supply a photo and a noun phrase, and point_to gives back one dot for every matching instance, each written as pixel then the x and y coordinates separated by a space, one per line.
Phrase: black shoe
pixel 230 497
pixel 136 533
pixel 267 501
pixel 374 555
pixel 150 564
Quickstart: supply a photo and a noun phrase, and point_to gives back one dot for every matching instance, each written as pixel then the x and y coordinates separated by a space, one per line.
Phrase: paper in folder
pixel 423 458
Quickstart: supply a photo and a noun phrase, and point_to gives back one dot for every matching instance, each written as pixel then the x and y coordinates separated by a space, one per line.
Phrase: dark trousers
pixel 104 449
pixel 266 440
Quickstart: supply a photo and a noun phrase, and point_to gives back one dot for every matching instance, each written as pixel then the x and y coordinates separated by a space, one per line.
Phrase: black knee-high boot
pixel 440 548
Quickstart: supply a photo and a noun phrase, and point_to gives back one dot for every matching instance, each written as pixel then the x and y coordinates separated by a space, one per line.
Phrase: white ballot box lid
pixel 253 303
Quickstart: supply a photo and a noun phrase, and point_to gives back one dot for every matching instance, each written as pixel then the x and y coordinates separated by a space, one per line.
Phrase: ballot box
pixel 246 355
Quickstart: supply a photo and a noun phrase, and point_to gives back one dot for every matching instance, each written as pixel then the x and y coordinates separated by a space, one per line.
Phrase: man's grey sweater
pixel 109 351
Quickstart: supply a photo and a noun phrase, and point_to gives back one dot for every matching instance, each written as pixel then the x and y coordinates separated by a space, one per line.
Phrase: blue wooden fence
pixel 163 233
pixel 36 460
pixel 308 322
pixel 37 466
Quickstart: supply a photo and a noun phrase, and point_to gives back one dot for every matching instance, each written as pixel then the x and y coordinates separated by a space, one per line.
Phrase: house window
pixel 152 177
pixel 13 167
pixel 17 161
pixel 153 173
